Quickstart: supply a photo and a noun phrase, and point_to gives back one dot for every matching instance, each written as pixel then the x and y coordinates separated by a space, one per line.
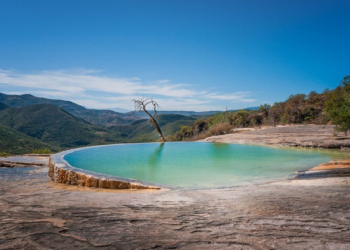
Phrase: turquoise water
pixel 193 165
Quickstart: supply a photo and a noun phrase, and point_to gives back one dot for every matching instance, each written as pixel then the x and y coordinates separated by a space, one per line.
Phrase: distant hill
pixel 142 115
pixel 99 117
pixel 30 122
pixel 105 118
pixel 3 106
pixel 249 109
pixel 52 125
pixel 120 110
pixel 15 142
pixel 94 116
pixel 48 126
pixel 142 131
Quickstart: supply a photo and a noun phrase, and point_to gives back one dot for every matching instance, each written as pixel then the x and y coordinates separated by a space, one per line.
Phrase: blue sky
pixel 187 55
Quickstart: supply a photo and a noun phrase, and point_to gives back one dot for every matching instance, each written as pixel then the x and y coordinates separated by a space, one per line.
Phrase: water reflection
pixel 154 158
pixel 220 151
pixel 147 165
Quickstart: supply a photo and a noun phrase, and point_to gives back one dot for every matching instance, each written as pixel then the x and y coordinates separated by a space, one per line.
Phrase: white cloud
pixel 52 93
pixel 234 97
pixel 93 90
pixel 165 104
pixel 163 81
pixel 79 82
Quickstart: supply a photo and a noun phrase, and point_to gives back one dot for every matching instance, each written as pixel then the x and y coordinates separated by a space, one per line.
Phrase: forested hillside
pixel 48 127
pixel 330 106
pixel 142 131
pixel 27 128
pixel 3 106
pixel 50 124
pixel 15 142
pixel 106 118
pixel 98 117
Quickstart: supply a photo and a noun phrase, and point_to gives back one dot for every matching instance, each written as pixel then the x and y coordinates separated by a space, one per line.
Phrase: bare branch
pixel 141 104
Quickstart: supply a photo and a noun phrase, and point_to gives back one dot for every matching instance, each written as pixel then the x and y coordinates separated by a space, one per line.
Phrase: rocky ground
pixel 318 136
pixel 298 214
pixel 302 213
pixel 24 160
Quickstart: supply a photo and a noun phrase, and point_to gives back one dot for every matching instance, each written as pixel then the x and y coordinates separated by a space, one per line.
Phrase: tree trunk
pixel 156 126
pixel 140 105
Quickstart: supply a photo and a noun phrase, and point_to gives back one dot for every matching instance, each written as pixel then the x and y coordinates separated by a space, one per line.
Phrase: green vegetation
pixel 327 107
pixel 3 106
pixel 98 117
pixel 4 154
pixel 50 124
pixel 15 142
pixel 105 118
pixel 200 129
pixel 142 131
pixel 338 106
pixel 46 128
pixel 42 151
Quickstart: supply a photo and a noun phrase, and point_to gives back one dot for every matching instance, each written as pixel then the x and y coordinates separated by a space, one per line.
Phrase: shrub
pixel 42 151
pixel 240 119
pixel 223 117
pixel 338 106
pixel 170 138
pixel 328 106
pixel 219 129
pixel 200 137
pixel 2 154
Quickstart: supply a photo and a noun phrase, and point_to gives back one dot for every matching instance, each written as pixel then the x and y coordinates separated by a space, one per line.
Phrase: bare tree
pixel 140 105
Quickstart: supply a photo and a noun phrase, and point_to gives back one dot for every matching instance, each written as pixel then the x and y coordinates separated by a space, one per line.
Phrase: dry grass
pixel 217 129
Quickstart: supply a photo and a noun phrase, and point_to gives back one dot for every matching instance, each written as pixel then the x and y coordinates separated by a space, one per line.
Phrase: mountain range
pixel 28 123
pixel 106 118
pixel 15 142
pixel 98 117
pixel 49 127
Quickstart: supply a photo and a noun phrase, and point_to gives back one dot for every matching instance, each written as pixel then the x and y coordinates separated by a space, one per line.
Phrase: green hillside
pixel 330 106
pixel 52 125
pixel 48 126
pixel 3 106
pixel 99 117
pixel 15 142
pixel 106 118
pixel 142 131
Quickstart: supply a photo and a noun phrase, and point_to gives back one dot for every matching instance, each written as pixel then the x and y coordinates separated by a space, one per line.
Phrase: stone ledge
pixel 332 165
pixel 61 172
pixel 13 164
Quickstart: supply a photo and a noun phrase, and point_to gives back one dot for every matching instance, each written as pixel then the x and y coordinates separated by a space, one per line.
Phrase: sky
pixel 195 55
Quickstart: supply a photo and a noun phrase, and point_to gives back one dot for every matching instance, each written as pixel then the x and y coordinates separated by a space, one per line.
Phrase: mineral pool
pixel 198 165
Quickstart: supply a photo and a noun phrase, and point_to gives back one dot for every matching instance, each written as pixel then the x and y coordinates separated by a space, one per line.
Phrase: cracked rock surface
pixel 294 214
pixel 316 136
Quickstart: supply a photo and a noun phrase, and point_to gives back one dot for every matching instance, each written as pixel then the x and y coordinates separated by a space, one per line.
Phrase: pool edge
pixel 62 172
